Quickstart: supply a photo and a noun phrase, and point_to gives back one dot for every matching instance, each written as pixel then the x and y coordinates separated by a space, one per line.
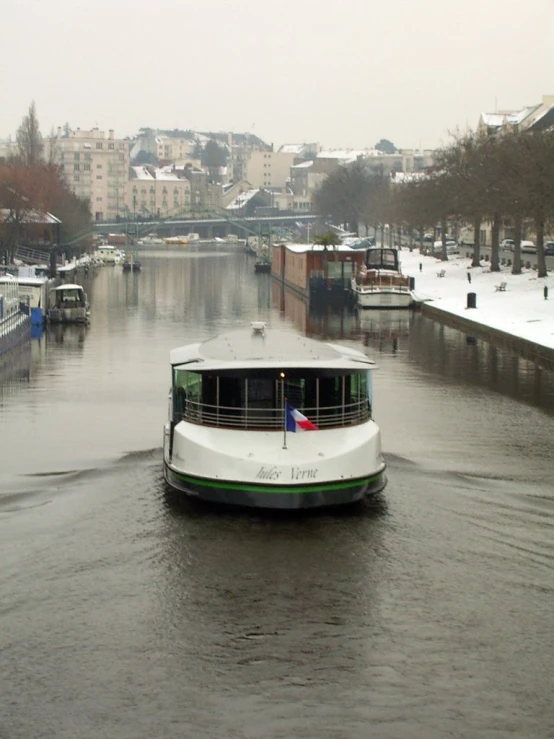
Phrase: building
pixel 538 117
pixel 95 166
pixel 269 168
pixel 156 192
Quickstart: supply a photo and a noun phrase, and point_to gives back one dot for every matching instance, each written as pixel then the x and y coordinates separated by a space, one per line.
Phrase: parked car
pixel 549 249
pixel 451 247
pixel 528 247
pixel 507 244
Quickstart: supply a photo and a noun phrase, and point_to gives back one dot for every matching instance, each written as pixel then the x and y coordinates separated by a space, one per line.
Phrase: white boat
pixel 110 255
pixel 15 325
pixel 238 409
pixel 68 304
pixel 380 283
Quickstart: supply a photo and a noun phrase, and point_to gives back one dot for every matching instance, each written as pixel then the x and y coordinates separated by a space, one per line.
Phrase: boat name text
pixel 296 473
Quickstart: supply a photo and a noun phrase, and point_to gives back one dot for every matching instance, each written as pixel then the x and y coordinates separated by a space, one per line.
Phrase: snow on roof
pixel 303 248
pixel 241 199
pixel 344 154
pixel 292 148
pixel 511 117
pixel 303 165
pixel 141 173
pixel 32 216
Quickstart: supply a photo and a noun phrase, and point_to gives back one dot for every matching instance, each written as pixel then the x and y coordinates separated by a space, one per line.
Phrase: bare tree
pixel 29 139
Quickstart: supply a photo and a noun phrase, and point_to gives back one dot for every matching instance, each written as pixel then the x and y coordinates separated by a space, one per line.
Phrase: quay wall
pixel 541 355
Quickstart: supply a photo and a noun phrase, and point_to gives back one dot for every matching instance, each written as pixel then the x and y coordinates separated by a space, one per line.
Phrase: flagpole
pixel 284 410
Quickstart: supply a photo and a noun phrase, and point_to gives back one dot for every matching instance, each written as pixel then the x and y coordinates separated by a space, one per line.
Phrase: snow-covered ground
pixel 521 310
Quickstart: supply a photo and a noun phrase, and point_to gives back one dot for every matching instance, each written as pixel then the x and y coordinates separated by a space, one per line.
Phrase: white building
pixel 95 167
pixel 157 192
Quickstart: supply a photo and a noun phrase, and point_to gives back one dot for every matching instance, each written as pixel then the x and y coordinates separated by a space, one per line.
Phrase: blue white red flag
pixel 297 421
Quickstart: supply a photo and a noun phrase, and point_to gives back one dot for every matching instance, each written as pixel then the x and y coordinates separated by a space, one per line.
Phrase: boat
pixel 271 419
pixel 131 263
pixel 110 255
pixel 15 323
pixel 68 304
pixel 380 282
pixel 262 264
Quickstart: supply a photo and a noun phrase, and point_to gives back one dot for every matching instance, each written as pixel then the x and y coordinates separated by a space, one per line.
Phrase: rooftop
pixel 267 349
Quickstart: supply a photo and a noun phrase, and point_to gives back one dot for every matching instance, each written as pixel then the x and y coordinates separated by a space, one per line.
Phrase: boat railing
pixel 273 419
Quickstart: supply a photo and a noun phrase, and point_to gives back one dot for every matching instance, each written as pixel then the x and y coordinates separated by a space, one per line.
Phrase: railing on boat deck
pixel 273 419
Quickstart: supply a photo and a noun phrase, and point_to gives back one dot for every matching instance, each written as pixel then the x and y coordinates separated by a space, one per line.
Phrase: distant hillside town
pixel 166 173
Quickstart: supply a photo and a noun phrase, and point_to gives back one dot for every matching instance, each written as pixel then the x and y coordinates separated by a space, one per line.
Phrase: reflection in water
pixel 436 348
pixel 15 370
pixel 70 336
pixel 128 612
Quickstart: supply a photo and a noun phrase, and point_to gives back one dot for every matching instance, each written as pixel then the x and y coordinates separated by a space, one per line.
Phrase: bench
pixel 501 288
pixel 442 273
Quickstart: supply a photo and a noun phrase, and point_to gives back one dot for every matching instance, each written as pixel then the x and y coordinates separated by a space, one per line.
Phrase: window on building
pixel 76 167
pixel 122 157
pixel 98 176
pixel 99 145
pixel 76 178
pixel 111 146
pixel 76 156
pixel 98 166
pixel 88 156
pixel 86 167
pixel 98 200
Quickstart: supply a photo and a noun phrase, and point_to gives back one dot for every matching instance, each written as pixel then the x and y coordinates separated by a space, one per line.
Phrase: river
pixel 128 613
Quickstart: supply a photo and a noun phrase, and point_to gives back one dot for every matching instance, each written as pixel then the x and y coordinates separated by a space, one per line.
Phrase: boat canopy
pixel 67 287
pixel 259 348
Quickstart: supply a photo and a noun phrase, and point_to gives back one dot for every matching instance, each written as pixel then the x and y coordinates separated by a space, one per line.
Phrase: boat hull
pixel 286 497
pixel 381 299
pixel 256 469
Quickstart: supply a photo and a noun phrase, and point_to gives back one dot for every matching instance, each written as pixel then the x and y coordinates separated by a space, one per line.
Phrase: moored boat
pixel 380 283
pixel 109 255
pixel 268 418
pixel 68 304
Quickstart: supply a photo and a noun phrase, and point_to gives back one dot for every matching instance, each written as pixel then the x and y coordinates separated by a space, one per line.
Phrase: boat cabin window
pixel 239 399
pixel 381 259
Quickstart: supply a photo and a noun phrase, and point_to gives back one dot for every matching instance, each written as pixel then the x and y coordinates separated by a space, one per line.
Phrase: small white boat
pixel 68 304
pixel 380 283
pixel 109 255
pixel 272 419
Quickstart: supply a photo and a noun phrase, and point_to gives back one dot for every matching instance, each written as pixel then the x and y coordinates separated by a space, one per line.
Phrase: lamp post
pixel 135 215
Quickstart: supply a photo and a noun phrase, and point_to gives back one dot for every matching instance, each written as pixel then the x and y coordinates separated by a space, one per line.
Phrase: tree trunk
pixel 421 239
pixel 476 242
pixel 444 253
pixel 516 269
pixel 541 262
pixel 383 234
pixel 495 261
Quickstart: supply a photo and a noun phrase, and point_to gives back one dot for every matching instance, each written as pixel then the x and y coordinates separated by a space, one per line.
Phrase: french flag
pixel 297 421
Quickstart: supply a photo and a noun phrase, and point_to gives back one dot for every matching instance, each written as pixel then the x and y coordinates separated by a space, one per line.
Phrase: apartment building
pixel 157 192
pixel 269 168
pixel 537 117
pixel 96 167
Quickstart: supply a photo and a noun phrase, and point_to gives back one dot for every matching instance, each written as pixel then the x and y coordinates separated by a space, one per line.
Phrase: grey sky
pixel 341 72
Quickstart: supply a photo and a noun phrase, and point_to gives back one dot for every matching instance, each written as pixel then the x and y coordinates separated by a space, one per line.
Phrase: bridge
pixel 218 224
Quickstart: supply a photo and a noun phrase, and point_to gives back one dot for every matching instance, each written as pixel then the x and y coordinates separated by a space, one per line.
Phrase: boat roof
pixel 67 287
pixel 261 348
pixel 36 281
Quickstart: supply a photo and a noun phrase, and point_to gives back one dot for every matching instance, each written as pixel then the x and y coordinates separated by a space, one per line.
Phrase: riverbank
pixel 517 316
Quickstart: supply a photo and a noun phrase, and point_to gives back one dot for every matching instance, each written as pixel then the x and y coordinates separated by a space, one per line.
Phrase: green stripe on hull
pixel 274 489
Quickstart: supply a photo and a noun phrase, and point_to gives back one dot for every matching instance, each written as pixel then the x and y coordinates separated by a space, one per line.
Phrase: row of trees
pixel 31 186
pixel 507 181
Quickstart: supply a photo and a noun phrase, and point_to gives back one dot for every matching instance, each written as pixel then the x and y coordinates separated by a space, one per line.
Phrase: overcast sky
pixel 340 72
